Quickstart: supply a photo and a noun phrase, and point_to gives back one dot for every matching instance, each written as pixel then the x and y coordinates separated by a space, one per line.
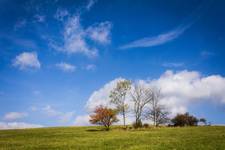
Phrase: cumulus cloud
pixel 101 96
pixel 82 120
pixel 184 88
pixel 66 67
pixel 18 125
pixel 178 89
pixel 11 116
pixel 27 60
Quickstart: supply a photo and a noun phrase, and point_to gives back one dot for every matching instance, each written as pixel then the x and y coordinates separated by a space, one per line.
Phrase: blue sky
pixel 56 54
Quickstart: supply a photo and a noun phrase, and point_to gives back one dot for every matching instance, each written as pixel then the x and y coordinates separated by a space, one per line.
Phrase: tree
pixel 157 112
pixel 141 96
pixel 103 116
pixel 118 97
pixel 185 120
pixel 203 120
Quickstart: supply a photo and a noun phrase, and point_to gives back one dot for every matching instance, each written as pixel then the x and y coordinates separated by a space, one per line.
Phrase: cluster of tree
pixel 146 105
pixel 187 120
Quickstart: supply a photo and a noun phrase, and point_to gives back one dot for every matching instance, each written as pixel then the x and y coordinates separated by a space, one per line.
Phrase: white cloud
pixel 179 90
pixel 157 40
pixel 91 67
pixel 11 116
pixel 61 14
pixel 100 32
pixel 63 117
pixel 101 96
pixel 82 120
pixel 18 125
pixel 76 39
pixel 184 88
pixel 173 64
pixel 27 60
pixel 66 67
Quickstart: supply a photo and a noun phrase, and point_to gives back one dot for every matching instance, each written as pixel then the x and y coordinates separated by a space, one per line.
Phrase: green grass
pixel 84 138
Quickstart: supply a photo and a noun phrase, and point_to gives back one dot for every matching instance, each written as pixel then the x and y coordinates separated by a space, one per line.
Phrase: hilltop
pixel 205 137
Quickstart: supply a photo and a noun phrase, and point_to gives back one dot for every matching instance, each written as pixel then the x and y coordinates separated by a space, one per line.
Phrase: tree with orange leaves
pixel 104 116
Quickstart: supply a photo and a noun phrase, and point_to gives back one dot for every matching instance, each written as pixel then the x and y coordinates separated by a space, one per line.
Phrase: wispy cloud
pixel 61 14
pixel 157 40
pixel 11 116
pixel 90 67
pixel 18 125
pixel 172 34
pixel 90 4
pixel 75 37
pixel 100 32
pixel 62 116
pixel 39 18
pixel 173 64
pixel 66 67
pixel 20 23
pixel 206 54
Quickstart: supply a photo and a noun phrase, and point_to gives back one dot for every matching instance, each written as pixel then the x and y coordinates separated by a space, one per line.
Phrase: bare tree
pixel 157 112
pixel 141 96
pixel 118 97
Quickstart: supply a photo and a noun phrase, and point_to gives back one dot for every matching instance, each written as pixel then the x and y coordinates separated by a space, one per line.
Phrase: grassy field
pixel 82 138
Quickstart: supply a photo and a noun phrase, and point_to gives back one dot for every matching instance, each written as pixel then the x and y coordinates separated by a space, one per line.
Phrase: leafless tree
pixel 157 112
pixel 141 96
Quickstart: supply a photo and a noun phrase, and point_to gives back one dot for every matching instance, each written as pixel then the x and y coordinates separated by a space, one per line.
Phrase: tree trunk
pixel 155 118
pixel 124 119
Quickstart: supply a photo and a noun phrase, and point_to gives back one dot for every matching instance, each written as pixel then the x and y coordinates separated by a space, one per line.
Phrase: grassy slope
pixel 82 138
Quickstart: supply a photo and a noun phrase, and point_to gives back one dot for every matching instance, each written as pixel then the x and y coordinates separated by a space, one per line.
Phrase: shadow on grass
pixel 96 130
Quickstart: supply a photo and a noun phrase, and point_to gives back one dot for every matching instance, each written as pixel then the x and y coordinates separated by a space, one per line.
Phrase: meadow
pixel 84 138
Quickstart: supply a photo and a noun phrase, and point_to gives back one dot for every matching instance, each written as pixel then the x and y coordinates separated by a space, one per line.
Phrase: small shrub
pixel 145 125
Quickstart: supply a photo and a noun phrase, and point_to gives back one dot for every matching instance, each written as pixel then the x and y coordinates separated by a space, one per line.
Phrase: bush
pixel 137 124
pixel 184 120
pixel 145 125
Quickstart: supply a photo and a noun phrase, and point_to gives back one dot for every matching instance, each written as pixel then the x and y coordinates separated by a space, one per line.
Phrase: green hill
pixel 66 138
